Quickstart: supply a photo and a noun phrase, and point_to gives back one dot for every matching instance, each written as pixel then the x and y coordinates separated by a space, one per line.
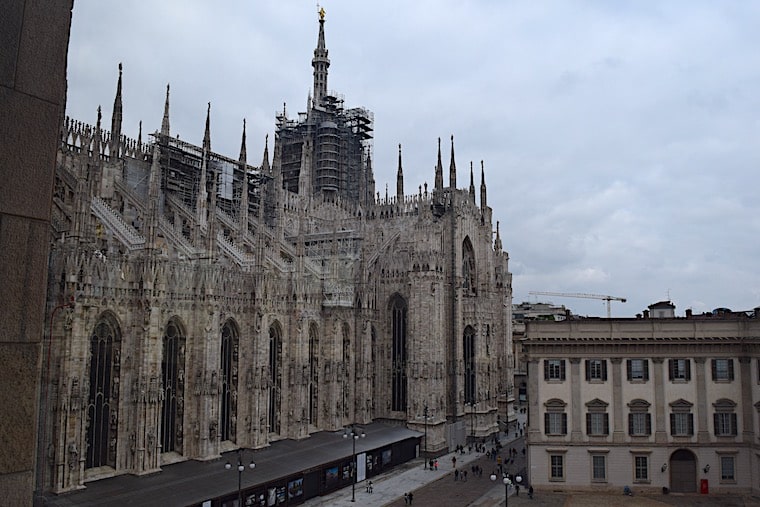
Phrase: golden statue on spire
pixel 321 13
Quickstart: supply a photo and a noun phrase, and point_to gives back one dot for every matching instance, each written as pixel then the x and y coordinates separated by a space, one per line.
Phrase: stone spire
pixel 320 62
pixel 207 133
pixel 265 169
pixel 452 168
pixel 97 134
pixel 139 135
pixel 472 185
pixel 497 243
pixel 116 117
pixel 243 153
pixel 439 169
pixel 201 206
pixel 399 179
pixel 483 201
pixel 243 212
pixel 165 121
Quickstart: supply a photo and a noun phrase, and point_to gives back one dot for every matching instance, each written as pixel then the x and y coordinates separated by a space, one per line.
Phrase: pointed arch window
pixel 398 354
pixel 470 382
pixel 313 374
pixel 469 280
pixel 103 401
pixel 347 397
pixel 173 382
pixel 275 379
pixel 228 395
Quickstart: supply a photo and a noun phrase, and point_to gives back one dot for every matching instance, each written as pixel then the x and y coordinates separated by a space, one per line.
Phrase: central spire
pixel 320 62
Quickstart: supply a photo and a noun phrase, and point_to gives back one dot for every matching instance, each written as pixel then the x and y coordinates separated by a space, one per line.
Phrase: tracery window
pixel 173 382
pixel 103 401
pixel 228 395
pixel 469 279
pixel 398 354
pixel 275 371
pixel 470 382
pixel 313 374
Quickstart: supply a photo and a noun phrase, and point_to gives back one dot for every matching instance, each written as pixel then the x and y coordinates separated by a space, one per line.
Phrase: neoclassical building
pixel 648 403
pixel 198 303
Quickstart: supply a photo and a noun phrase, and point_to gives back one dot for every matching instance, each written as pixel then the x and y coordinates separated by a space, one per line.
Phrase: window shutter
pixel 691 424
pixel 714 365
pixel 734 429
pixel 671 369
pixel 730 369
pixel 606 424
pixel 588 424
pixel 564 424
pixel 628 368
pixel 630 424
pixel 588 369
pixel 562 369
pixel 604 369
pixel 546 423
pixel 672 424
pixel 687 362
pixel 546 369
pixel 645 365
pixel 715 423
pixel 649 424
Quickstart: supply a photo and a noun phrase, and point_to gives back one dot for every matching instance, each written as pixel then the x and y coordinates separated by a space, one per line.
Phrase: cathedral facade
pixel 199 304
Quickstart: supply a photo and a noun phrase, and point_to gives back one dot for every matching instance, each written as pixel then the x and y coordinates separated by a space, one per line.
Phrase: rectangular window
pixel 557 467
pixel 597 424
pixel 555 423
pixel 725 424
pixel 554 369
pixel 596 369
pixel 681 424
pixel 727 472
pixel 679 369
pixel 641 468
pixel 723 370
pixel 639 424
pixel 598 467
pixel 638 369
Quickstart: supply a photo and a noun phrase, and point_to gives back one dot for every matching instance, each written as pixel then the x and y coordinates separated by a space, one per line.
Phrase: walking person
pixel 411 497
pixel 406 498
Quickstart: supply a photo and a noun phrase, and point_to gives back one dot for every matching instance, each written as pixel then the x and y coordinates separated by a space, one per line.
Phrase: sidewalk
pixel 430 487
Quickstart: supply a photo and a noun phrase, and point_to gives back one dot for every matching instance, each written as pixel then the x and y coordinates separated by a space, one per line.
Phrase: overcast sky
pixel 621 140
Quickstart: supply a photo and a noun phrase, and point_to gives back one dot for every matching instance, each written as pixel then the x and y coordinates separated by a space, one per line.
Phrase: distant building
pixel 521 313
pixel 650 403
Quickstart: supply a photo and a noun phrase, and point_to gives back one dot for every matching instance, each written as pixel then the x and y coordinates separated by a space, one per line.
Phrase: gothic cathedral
pixel 198 303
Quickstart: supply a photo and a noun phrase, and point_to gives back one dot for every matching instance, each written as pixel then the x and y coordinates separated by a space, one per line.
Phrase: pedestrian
pixel 369 487
pixel 530 492
pixel 464 475
pixel 431 464
pixel 456 475
pixel 406 498
pixel 454 461
pixel 436 464
pixel 517 490
pixel 411 497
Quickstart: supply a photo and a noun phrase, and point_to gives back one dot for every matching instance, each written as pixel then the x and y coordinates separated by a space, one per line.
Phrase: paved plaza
pixel 439 488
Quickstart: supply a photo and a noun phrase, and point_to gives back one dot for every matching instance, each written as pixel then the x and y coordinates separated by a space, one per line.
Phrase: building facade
pixel 648 403
pixel 198 303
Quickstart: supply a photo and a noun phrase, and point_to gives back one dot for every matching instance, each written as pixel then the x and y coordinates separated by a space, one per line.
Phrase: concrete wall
pixel 34 37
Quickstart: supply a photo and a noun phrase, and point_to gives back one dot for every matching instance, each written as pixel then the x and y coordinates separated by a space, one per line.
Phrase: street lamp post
pixel 355 435
pixel 240 468
pixel 507 483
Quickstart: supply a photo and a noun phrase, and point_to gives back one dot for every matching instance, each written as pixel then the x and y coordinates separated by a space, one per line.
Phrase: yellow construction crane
pixel 581 295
